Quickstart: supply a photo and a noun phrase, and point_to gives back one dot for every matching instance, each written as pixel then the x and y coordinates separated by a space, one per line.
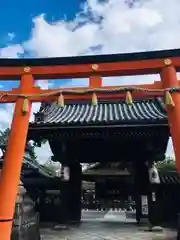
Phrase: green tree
pixel 168 164
pixel 52 166
pixel 4 141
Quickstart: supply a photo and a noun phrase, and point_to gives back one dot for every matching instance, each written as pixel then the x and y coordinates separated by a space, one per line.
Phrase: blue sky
pixel 16 15
pixel 51 28
pixel 55 28
pixel 17 18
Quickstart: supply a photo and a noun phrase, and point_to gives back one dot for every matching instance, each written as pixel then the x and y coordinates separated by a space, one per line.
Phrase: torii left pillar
pixel 10 176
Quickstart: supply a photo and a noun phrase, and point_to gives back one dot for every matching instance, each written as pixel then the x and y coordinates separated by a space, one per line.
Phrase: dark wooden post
pixel 158 208
pixel 137 187
pixel 153 197
pixel 75 189
pixel 138 207
pixel 64 218
pixel 150 210
pixel 142 187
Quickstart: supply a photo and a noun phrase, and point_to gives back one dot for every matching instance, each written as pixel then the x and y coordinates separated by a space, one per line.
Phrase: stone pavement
pixel 105 226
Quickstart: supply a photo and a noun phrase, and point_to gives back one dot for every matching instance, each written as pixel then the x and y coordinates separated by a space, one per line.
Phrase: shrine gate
pixel 26 71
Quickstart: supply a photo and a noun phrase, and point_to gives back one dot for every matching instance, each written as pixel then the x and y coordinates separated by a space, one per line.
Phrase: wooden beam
pixel 121 68
pixel 40 95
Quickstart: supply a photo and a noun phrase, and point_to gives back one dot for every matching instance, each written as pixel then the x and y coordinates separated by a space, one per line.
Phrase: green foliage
pixel 43 141
pixel 50 168
pixel 46 169
pixel 29 150
pixel 168 164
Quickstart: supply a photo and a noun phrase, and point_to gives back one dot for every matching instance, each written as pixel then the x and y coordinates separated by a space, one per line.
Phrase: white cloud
pixel 44 152
pixel 6 112
pixel 106 27
pixel 170 150
pixel 11 36
pixel 11 51
pixel 147 26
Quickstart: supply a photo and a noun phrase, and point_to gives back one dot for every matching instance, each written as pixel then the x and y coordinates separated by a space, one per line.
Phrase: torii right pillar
pixel 169 80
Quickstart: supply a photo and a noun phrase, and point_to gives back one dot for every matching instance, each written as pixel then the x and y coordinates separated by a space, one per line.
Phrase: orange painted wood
pixel 87 96
pixel 138 67
pixel 169 79
pixel 10 176
pixel 95 81
pixel 100 96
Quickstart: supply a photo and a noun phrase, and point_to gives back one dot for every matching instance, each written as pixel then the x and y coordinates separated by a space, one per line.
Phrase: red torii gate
pixel 27 92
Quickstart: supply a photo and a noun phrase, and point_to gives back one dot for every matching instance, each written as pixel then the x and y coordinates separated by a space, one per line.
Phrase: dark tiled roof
pixel 170 177
pixel 111 113
pixel 30 166
pixel 166 178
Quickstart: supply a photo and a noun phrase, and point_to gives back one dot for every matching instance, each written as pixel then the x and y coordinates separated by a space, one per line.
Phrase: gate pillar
pixel 10 175
pixel 75 192
pixel 169 80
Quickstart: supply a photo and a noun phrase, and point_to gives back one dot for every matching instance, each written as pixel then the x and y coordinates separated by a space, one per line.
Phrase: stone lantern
pixel 26 220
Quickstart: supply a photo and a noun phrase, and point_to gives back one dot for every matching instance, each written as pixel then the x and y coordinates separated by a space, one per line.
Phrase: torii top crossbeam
pixel 85 66
pixel 167 63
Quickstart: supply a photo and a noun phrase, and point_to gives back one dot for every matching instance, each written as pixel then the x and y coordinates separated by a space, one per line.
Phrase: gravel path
pixel 105 226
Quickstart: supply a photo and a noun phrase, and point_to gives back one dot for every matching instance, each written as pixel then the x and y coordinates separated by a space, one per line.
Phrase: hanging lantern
pixel 153 196
pixel 129 99
pixel 94 99
pixel 168 99
pixel 154 175
pixel 25 107
pixel 60 100
pixel 65 173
